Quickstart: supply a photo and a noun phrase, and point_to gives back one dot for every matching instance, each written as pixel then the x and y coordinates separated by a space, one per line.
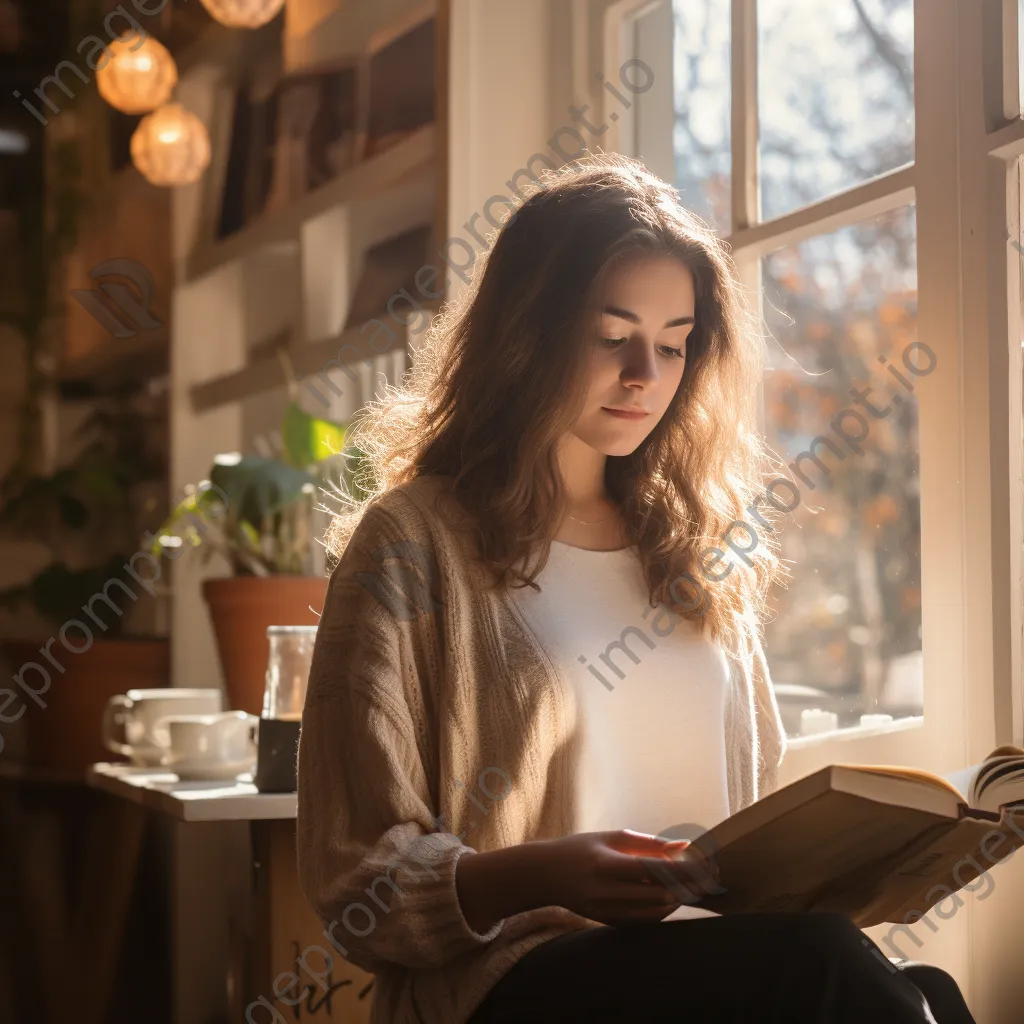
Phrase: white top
pixel 653 731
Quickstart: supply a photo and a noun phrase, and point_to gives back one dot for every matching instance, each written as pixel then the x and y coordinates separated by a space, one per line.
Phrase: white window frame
pixel 964 183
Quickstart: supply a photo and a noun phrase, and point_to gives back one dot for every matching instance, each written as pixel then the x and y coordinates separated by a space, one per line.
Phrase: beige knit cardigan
pixel 436 725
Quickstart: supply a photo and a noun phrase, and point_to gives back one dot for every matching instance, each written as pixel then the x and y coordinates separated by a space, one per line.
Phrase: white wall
pixel 502 109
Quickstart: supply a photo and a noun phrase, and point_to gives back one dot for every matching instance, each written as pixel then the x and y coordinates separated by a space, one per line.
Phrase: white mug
pixel 138 713
pixel 212 746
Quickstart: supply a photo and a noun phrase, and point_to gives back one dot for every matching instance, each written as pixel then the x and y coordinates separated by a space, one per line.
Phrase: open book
pixel 874 842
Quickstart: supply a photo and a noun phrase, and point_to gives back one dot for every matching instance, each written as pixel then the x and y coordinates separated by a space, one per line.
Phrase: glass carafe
pixel 284 694
pixel 291 652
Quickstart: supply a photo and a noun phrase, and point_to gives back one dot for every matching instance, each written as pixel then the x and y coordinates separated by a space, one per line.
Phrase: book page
pixel 914 774
pixel 688 912
pixel 998 771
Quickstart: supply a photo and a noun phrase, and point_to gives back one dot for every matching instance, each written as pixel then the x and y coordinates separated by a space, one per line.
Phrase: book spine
pixel 966 811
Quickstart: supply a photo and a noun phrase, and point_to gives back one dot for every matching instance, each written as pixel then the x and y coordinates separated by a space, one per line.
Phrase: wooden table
pixel 240 923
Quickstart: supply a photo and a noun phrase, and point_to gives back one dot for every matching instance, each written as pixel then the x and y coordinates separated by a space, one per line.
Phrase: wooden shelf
pixel 352 29
pixel 412 156
pixel 266 374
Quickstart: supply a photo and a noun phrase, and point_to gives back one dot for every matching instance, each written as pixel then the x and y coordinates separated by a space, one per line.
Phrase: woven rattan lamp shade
pixel 243 13
pixel 137 78
pixel 171 146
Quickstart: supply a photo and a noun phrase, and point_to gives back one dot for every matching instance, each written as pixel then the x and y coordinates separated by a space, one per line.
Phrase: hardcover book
pixel 878 843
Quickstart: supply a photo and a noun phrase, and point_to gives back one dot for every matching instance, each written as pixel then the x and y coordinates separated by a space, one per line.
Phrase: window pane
pixel 836 96
pixel 842 310
pixel 703 133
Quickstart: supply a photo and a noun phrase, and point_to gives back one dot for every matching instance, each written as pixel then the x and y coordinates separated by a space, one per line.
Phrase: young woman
pixel 539 651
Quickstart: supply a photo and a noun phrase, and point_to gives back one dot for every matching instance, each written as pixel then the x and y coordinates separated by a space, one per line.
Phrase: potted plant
pixel 257 513
pixel 86 514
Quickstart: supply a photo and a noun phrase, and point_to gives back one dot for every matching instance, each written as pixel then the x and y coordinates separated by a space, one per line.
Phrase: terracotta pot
pixel 64 735
pixel 241 608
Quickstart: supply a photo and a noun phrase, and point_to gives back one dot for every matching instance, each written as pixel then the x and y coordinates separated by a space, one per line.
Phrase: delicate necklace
pixel 595 523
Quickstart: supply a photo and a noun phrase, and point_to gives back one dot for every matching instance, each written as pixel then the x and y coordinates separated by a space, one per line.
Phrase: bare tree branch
pixel 887 50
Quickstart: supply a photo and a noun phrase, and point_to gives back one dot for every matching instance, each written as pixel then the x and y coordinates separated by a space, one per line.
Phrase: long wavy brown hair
pixel 502 375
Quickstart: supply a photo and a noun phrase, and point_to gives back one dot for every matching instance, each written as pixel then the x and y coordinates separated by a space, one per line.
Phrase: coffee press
pixel 291 653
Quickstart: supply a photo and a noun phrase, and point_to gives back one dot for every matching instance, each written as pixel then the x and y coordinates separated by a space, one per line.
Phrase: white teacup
pixel 138 713
pixel 213 746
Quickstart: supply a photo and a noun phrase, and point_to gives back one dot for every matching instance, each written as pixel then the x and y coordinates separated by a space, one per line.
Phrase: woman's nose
pixel 640 368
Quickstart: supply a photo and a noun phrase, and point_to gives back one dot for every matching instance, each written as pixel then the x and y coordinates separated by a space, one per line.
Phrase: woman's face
pixel 638 352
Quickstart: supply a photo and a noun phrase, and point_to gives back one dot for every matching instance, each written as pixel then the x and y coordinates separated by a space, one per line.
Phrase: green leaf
pixel 308 440
pixel 180 515
pixel 257 487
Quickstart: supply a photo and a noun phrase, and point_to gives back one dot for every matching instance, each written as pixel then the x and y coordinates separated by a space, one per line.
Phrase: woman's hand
pixel 619 877
pixel 616 877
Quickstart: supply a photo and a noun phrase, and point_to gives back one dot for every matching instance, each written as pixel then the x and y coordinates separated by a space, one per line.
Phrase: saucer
pixel 148 756
pixel 200 770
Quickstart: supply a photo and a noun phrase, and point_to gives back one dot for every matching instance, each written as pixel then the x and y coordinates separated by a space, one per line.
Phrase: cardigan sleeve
pixel 371 861
pixel 771 733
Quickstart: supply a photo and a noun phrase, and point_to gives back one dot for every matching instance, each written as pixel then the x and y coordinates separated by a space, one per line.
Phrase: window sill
pixel 855 732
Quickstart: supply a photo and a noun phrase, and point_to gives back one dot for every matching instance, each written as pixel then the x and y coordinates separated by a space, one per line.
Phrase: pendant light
pixel 171 146
pixel 243 13
pixel 137 78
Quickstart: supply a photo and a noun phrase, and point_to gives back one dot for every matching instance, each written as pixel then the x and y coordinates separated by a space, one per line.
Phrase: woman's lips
pixel 626 415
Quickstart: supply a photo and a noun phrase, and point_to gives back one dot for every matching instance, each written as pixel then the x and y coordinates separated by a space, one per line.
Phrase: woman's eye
pixel 666 350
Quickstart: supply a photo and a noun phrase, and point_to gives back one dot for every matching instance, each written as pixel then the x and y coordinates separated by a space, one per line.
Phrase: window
pixel 860 158
pixel 823 103
pixel 840 410
pixel 835 91
pixel 701 87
